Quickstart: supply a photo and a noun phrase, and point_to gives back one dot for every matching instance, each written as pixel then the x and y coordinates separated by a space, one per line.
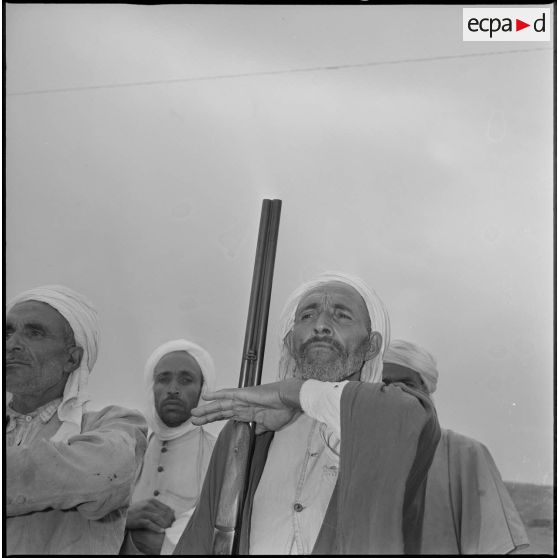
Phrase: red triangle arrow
pixel 519 25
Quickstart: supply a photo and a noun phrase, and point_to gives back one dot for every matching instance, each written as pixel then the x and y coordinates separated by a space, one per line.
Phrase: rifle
pixel 226 533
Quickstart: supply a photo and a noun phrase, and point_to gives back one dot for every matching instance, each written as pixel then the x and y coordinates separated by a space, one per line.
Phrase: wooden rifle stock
pixel 226 533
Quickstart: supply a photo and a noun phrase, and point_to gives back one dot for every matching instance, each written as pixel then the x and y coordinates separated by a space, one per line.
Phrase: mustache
pixel 172 397
pixel 316 339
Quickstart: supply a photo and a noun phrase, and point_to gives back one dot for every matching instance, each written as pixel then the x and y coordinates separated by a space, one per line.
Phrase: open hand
pixel 150 514
pixel 270 406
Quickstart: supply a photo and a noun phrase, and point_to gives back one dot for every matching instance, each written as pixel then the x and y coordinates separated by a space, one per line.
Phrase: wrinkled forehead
pixel 335 293
pixel 177 361
pixel 34 311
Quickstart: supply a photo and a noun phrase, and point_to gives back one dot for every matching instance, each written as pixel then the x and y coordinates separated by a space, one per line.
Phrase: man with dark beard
pixel 307 491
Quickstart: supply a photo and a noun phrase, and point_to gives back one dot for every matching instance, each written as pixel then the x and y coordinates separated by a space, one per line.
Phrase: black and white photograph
pixel 279 279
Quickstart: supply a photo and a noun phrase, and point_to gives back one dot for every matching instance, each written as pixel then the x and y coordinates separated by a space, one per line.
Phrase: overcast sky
pixel 140 141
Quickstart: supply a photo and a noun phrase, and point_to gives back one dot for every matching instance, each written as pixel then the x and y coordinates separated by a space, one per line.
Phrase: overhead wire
pixel 270 72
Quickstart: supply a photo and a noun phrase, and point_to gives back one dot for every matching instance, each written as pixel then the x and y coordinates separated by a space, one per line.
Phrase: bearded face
pixel 318 361
pixel 330 339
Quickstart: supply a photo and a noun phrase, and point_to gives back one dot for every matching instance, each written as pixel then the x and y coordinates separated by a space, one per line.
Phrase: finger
pixel 220 394
pixel 165 520
pixel 243 415
pixel 260 428
pixel 162 520
pixel 151 526
pixel 212 417
pixel 158 504
pixel 160 507
pixel 213 407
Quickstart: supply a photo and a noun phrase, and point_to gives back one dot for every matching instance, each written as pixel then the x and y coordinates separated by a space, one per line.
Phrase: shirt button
pixel 28 418
pixel 156 493
pixel 164 450
pixel 298 507
pixel 160 468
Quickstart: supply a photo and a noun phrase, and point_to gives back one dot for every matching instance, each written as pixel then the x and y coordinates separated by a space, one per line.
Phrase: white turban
pixel 203 358
pixel 416 358
pixel 379 320
pixel 81 315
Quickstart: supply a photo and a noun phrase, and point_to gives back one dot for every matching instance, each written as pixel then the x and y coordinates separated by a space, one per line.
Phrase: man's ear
pixel 375 345
pixel 75 354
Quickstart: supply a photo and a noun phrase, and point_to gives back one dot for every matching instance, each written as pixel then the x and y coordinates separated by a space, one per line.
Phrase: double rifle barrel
pixel 233 490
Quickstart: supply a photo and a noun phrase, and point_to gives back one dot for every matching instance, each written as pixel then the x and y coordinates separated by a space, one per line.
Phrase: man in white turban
pixel 178 453
pixel 339 463
pixel 69 471
pixel 468 509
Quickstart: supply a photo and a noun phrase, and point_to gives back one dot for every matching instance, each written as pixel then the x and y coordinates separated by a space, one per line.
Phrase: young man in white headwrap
pixel 468 509
pixel 340 463
pixel 69 472
pixel 178 452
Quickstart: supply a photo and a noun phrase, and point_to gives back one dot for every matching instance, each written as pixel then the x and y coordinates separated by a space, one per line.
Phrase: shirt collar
pixel 45 413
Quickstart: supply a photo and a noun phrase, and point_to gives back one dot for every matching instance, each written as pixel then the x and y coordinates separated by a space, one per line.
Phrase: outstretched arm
pixel 270 406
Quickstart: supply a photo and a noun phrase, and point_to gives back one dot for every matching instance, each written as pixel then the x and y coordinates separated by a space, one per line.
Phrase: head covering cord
pixel 379 319
pixel 203 358
pixel 416 358
pixel 81 315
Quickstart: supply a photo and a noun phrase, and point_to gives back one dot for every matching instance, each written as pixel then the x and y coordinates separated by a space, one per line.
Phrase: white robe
pixel 173 472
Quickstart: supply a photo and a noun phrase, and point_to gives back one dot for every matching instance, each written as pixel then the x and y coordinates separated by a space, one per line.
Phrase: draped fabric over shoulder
pixel 389 437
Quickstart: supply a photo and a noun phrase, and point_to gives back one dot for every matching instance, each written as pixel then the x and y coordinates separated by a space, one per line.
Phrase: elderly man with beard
pixel 178 452
pixel 340 461
pixel 69 471
pixel 468 509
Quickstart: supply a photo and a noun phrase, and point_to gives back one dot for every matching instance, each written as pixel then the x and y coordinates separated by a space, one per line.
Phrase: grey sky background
pixel 431 180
